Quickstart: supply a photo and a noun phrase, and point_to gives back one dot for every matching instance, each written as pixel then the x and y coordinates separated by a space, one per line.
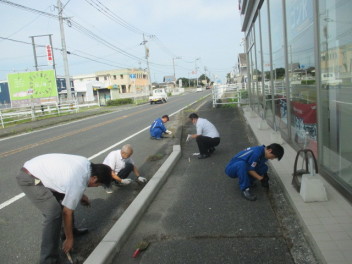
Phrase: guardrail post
pixel 33 113
pixel 58 108
pixel 77 106
pixel 2 121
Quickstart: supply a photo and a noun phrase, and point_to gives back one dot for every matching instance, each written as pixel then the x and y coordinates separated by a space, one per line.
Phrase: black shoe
pixel 80 231
pixel 248 195
pixel 203 156
pixel 253 185
pixel 211 150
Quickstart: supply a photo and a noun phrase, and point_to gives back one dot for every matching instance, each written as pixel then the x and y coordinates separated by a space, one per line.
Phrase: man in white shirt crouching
pixel 207 136
pixel 121 163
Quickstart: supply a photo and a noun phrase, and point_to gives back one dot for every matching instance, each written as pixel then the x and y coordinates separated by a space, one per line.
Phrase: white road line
pixel 19 196
pixel 12 200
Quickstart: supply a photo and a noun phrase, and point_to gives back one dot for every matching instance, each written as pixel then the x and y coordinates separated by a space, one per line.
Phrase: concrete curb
pixel 113 241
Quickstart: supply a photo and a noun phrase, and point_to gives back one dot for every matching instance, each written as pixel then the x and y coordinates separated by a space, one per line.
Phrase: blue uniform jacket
pixel 253 157
pixel 157 128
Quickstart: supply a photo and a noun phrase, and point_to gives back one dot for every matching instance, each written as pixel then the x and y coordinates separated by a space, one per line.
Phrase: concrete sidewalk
pixel 199 216
pixel 328 225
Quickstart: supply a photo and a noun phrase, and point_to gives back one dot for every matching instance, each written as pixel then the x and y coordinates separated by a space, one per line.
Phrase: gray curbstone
pixel 119 233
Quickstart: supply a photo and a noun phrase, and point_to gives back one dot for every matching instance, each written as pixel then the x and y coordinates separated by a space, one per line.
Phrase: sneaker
pixel 108 190
pixel 156 138
pixel 248 195
pixel 203 156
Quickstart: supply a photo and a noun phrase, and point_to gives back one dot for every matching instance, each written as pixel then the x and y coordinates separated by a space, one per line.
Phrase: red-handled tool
pixel 140 247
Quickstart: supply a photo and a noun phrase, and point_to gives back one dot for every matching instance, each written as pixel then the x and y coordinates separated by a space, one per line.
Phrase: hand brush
pixel 140 247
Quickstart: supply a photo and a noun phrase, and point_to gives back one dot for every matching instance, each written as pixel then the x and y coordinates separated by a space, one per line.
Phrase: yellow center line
pixel 75 132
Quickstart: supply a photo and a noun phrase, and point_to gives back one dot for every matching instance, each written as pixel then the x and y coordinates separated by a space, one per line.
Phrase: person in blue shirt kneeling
pixel 157 128
pixel 250 164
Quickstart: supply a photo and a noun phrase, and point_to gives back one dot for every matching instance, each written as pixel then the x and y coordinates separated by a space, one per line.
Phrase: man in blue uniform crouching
pixel 157 128
pixel 250 164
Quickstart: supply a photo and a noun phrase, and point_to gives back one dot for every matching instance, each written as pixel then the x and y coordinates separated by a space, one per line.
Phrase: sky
pixel 192 37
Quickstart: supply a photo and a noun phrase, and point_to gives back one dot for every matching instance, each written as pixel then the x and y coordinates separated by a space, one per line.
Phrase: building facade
pixel 108 85
pixel 299 55
pixel 130 81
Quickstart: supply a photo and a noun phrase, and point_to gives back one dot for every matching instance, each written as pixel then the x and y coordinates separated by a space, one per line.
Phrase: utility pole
pixel 195 64
pixel 173 64
pixel 64 52
pixel 147 58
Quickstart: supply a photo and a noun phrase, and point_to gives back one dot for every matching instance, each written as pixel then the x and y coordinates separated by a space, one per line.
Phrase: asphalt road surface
pixel 20 221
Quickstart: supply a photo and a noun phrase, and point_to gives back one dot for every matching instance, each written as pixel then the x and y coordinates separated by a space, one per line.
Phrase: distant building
pixel 242 69
pixel 112 84
pixel 169 79
pixel 4 94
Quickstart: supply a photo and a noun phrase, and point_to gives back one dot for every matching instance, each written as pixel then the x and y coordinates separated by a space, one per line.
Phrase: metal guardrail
pixel 228 94
pixel 34 112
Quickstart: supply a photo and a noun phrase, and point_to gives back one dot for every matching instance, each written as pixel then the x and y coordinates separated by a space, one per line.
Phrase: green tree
pixel 202 78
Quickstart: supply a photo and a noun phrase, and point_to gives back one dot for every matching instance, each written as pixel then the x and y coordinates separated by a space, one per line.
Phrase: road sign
pixel 49 54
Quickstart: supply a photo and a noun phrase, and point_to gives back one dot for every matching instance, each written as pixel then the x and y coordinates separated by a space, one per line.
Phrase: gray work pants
pixel 45 201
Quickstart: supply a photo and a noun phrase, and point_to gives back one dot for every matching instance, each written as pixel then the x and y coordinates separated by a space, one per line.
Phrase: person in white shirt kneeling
pixel 121 163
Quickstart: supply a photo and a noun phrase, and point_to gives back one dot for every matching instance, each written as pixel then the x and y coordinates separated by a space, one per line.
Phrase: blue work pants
pixel 239 169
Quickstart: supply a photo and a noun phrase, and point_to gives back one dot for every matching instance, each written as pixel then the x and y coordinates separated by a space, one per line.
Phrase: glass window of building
pixel 255 71
pixel 336 89
pixel 252 69
pixel 258 71
pixel 278 65
pixel 301 72
pixel 267 76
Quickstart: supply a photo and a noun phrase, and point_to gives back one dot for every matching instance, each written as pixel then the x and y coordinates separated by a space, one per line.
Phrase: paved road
pixel 20 222
pixel 199 216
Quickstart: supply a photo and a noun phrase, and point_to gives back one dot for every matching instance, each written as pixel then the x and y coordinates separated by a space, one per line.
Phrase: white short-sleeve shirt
pixel 115 161
pixel 205 128
pixel 63 173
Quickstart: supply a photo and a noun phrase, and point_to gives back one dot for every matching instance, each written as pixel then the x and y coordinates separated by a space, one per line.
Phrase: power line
pixel 94 59
pixel 103 9
pixel 108 13
pixel 29 9
pixel 92 35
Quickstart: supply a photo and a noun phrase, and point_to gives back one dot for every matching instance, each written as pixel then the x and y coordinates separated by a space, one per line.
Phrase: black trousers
pixel 206 143
pixel 123 174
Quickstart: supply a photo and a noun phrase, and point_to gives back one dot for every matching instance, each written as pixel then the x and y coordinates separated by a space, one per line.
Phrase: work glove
pixel 265 181
pixel 168 132
pixel 141 179
pixel 126 181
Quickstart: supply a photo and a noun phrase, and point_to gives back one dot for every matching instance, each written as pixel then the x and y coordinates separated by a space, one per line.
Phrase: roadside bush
pixel 121 101
pixel 308 82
